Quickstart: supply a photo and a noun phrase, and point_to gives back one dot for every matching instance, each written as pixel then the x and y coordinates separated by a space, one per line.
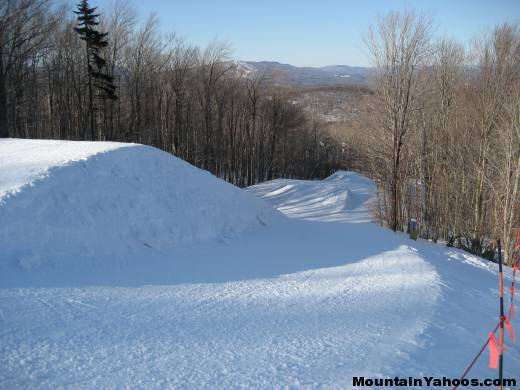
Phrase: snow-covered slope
pixel 95 202
pixel 343 196
pixel 305 302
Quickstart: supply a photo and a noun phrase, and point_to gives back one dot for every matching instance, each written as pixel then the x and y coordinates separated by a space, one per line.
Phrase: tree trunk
pixel 4 129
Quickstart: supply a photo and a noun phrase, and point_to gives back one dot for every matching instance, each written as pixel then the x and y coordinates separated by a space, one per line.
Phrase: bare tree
pixel 495 56
pixel 24 29
pixel 437 156
pixel 504 175
pixel 398 45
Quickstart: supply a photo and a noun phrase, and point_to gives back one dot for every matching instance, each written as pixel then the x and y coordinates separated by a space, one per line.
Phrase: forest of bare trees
pixel 444 132
pixel 439 128
pixel 190 101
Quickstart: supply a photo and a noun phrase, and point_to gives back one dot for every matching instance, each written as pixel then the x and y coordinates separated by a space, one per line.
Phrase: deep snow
pixel 302 302
pixel 78 203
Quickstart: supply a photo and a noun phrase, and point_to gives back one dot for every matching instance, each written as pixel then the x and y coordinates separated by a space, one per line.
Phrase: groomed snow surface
pixel 124 267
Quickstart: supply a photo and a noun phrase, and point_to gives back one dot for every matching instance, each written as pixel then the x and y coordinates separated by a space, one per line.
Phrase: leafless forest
pixel 438 127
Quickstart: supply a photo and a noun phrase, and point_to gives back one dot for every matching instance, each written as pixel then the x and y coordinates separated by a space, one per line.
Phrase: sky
pixel 313 33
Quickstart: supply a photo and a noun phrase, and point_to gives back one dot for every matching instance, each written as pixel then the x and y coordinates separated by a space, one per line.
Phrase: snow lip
pixel 23 162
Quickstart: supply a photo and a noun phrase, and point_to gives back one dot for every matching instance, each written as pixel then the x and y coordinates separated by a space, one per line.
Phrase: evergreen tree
pixel 100 85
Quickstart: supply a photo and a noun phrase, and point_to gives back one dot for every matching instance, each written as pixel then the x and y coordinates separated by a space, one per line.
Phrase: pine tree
pixel 100 85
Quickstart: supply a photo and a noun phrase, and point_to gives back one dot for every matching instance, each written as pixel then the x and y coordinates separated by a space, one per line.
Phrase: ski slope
pixel 263 302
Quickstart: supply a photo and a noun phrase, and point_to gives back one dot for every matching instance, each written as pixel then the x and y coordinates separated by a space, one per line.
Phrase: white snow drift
pixel 343 196
pixel 218 298
pixel 80 202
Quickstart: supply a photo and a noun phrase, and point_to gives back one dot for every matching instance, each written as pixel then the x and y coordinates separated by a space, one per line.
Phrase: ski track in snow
pixel 302 303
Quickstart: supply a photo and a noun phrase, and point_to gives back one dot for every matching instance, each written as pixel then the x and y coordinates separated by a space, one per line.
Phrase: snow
pixel 343 196
pixel 25 161
pixel 304 302
pixel 105 202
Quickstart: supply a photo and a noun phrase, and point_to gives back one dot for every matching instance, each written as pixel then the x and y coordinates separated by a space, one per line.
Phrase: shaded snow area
pixel 70 204
pixel 227 293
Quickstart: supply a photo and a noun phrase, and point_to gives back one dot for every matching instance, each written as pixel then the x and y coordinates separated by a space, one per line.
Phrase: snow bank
pixel 344 196
pixel 63 202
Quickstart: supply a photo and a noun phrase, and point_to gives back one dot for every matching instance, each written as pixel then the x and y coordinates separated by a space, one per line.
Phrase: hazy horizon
pixel 304 66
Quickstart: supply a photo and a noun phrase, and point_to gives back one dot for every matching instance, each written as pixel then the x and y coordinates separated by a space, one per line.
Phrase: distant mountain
pixel 286 74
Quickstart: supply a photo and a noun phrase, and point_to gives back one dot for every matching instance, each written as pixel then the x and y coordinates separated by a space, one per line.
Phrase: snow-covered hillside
pixel 68 204
pixel 236 301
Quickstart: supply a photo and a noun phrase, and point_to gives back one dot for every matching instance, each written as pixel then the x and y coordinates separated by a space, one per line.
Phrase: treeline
pixel 195 103
pixel 443 132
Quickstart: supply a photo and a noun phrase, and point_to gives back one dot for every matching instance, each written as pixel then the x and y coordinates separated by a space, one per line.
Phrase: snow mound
pixel 344 196
pixel 63 202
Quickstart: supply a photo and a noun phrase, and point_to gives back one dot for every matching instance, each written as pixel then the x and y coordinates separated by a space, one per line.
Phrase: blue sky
pixel 312 33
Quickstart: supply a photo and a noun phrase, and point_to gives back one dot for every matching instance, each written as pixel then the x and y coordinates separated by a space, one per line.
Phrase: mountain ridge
pixel 308 76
